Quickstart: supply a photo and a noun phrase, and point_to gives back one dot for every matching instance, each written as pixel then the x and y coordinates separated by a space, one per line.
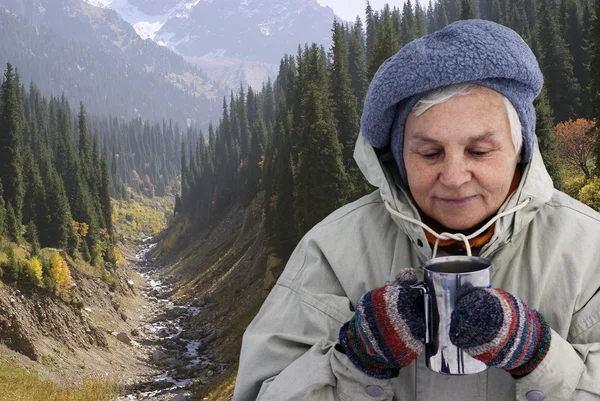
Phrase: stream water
pixel 163 342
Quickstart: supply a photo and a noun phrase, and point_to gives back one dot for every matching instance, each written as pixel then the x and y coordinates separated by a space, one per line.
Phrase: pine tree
pixel 544 130
pixel 408 29
pixel 344 101
pixel 13 226
pixel 2 211
pixel 466 10
pixel 104 196
pixel 11 164
pixel 370 24
pixel 575 41
pixel 357 64
pixel 441 18
pixel 55 231
pixel 557 66
pixel 320 153
pixel 255 158
pixel 420 21
pixel 384 47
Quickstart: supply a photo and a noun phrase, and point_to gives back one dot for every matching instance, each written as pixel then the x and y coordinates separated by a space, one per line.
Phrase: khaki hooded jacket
pixel 547 253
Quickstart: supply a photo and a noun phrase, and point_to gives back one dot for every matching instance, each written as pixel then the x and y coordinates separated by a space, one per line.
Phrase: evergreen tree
pixel 13 226
pixel 384 47
pixel 420 21
pixel 370 22
pixel 357 64
pixel 105 202
pixel 575 40
pixel 2 211
pixel 11 164
pixel 255 158
pixel 320 153
pixel 441 18
pixel 408 30
pixel 34 205
pixel 344 101
pixel 55 231
pixel 557 66
pixel 544 130
pixel 466 10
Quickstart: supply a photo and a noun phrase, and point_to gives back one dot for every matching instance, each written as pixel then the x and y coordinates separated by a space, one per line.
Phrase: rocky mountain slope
pixel 91 55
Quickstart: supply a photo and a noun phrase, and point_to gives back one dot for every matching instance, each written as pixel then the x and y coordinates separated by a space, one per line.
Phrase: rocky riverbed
pixel 163 341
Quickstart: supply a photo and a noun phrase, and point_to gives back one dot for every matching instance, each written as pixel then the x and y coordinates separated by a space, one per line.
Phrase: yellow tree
pixel 60 271
pixel 576 141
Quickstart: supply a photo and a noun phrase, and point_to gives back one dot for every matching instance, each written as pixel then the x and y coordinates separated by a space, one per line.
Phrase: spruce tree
pixel 55 231
pixel 357 64
pixel 105 202
pixel 11 163
pixel 320 153
pixel 13 226
pixel 441 18
pixel 408 29
pixel 544 130
pixel 370 28
pixel 576 44
pixel 255 159
pixel 2 211
pixel 384 47
pixel 557 66
pixel 466 10
pixel 344 101
pixel 420 21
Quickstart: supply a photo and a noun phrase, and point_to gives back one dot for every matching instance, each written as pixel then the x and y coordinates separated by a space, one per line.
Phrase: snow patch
pixel 265 29
pixel 147 30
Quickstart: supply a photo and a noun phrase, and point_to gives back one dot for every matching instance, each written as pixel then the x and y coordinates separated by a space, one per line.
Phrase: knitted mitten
pixel 386 331
pixel 498 329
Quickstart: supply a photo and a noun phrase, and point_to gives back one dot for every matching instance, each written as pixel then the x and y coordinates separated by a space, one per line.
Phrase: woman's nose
pixel 454 172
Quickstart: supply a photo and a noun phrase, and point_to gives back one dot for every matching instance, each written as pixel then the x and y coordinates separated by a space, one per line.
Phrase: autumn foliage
pixel 60 271
pixel 576 142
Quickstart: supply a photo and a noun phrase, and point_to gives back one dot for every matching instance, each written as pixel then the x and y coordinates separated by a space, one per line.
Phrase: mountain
pixel 233 40
pixel 92 55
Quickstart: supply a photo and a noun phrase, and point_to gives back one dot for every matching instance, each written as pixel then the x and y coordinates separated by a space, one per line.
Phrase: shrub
pixel 590 193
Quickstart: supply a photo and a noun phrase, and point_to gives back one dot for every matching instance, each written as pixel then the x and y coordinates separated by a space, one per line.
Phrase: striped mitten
pixel 386 331
pixel 498 329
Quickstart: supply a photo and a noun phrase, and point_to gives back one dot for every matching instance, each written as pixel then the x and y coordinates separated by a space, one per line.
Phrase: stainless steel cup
pixel 445 278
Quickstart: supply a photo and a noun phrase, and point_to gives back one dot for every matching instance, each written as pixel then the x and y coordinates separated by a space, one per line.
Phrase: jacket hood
pixel 380 170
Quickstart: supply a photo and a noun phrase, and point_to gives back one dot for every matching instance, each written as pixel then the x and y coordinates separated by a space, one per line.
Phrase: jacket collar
pixel 381 171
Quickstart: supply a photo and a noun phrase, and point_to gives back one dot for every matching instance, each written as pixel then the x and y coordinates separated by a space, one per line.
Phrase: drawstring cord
pixel 456 236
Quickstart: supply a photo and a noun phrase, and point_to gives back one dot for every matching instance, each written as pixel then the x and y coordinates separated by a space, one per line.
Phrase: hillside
pixel 227 267
pixel 93 56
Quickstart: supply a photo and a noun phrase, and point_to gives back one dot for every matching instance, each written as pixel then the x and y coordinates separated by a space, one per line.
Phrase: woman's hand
pixel 498 329
pixel 386 331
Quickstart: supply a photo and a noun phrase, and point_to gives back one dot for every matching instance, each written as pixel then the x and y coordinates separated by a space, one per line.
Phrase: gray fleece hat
pixel 470 51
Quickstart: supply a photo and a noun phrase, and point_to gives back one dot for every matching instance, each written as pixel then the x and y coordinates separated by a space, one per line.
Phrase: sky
pixel 349 9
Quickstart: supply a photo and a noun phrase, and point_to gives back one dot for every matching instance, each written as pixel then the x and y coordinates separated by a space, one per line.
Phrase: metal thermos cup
pixel 444 280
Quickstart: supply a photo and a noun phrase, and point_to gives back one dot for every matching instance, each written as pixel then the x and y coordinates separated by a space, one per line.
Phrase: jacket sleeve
pixel 571 369
pixel 288 351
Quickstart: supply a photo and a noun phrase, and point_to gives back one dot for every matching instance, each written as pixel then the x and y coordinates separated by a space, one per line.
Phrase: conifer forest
pixel 294 138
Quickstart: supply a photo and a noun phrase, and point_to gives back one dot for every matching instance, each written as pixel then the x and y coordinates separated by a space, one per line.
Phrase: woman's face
pixel 460 158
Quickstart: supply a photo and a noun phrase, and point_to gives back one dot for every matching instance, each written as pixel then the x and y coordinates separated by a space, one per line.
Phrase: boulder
pixel 124 338
pixel 158 355
pixel 179 397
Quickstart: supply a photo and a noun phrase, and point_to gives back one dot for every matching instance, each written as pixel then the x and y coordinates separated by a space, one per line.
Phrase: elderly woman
pixel 448 137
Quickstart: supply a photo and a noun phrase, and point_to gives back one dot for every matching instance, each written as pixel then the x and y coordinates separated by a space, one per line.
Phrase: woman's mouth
pixel 457 202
